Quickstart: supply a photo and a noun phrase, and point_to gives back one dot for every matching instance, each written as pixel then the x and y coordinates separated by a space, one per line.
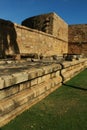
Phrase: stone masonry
pixel 42 23
pixel 18 39
pixel 45 35
pixel 77 39
pixel 26 81
pixel 49 23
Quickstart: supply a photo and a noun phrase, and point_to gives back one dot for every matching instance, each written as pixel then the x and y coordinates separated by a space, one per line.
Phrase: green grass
pixel 64 109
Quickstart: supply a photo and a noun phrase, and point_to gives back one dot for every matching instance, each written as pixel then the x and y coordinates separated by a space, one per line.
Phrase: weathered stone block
pixel 4 93
pixel 34 82
pixel 40 80
pixel 8 80
pixel 46 77
pixel 52 75
pixel 57 73
pixel 20 77
pixel 25 85
pixel 57 80
pixel 2 83
pixel 32 74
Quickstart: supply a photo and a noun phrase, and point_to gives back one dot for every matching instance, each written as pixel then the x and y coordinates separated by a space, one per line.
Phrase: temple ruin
pixel 36 58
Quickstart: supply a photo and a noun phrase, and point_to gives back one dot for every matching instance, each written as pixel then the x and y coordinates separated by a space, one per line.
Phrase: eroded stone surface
pixel 78 39
pixel 23 84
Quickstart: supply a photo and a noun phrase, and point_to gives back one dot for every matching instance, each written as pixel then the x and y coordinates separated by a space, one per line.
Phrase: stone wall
pixel 49 23
pixel 60 28
pixel 24 84
pixel 77 39
pixel 70 69
pixel 42 23
pixel 8 38
pixel 17 39
pixel 34 41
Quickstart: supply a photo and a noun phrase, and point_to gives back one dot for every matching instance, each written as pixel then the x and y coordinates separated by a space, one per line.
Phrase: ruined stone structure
pixel 44 35
pixel 8 39
pixel 49 23
pixel 27 40
pixel 25 82
pixel 54 25
pixel 77 39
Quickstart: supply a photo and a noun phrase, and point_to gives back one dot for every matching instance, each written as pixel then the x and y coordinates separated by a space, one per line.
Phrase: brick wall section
pixel 19 39
pixel 78 39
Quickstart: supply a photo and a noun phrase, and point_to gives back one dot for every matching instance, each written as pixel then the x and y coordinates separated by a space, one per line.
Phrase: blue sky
pixel 72 11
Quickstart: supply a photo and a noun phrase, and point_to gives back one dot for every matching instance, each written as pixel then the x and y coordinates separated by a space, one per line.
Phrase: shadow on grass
pixel 73 86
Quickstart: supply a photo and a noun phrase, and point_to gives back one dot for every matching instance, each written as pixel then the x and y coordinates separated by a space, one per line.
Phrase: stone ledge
pixel 7 118
pixel 9 77
pixel 27 95
pixel 67 64
pixel 9 91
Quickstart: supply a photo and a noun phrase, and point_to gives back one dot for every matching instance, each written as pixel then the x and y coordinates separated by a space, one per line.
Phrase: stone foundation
pixel 23 84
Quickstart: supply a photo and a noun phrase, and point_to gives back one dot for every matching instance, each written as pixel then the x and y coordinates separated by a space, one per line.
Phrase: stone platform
pixel 24 83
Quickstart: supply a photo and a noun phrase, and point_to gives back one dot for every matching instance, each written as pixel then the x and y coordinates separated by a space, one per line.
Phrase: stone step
pixel 12 106
pixel 9 91
pixel 21 74
pixel 71 73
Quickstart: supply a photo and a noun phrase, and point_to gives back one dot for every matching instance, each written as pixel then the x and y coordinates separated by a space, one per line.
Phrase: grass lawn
pixel 64 109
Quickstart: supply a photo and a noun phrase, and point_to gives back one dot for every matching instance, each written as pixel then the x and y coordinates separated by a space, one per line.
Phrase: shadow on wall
pixel 8 36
